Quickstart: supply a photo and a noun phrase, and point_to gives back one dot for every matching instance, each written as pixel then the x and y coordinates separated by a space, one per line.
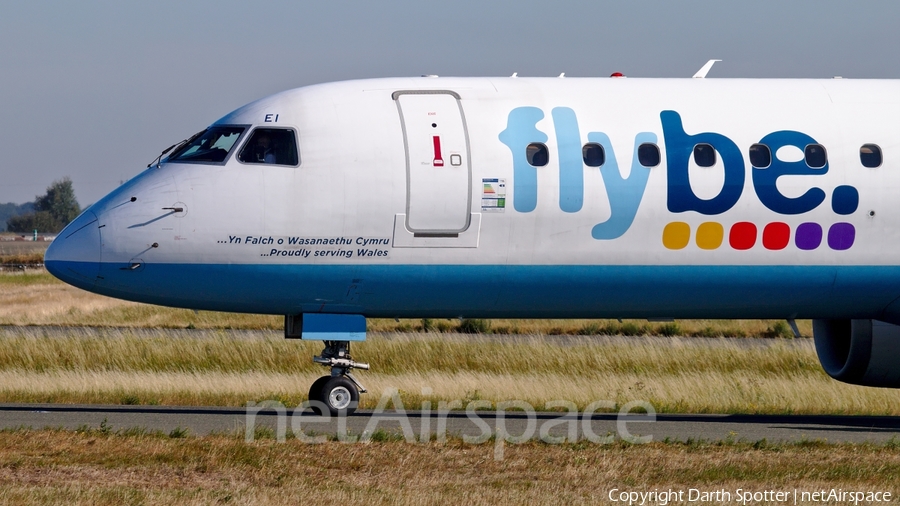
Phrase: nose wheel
pixel 338 393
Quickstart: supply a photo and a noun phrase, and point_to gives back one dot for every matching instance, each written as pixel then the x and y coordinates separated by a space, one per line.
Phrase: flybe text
pixel 625 194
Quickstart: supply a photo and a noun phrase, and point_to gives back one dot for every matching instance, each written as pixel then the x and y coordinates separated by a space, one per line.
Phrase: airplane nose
pixel 74 256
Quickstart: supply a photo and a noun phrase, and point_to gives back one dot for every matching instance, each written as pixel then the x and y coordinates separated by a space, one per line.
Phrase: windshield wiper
pixel 190 139
pixel 158 159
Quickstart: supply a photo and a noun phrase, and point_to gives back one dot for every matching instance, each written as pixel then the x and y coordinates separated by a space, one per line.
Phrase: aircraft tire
pixel 340 396
pixel 315 394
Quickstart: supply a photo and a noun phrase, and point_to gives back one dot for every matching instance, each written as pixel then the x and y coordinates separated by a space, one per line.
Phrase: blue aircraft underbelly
pixel 502 291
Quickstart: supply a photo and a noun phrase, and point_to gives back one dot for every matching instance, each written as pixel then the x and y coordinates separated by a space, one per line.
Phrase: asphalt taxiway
pixel 477 424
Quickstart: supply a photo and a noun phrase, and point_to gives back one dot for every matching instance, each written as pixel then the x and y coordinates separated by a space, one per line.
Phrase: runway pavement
pixel 474 426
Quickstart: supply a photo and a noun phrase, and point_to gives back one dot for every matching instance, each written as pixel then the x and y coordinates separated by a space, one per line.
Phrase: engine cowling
pixel 859 352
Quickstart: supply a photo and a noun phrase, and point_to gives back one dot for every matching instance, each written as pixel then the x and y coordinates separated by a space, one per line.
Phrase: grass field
pixel 219 367
pixel 171 356
pixel 21 252
pixel 13 247
pixel 91 467
pixel 101 350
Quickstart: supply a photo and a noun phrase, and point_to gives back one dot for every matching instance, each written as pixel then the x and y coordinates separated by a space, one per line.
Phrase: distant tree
pixel 52 211
pixel 10 210
pixel 59 201
pixel 40 221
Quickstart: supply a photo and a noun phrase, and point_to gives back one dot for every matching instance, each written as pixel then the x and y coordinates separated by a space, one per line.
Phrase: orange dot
pixel 709 235
pixel 676 235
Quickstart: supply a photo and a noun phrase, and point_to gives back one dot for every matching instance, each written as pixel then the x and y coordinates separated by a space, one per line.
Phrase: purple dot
pixel 841 236
pixel 809 236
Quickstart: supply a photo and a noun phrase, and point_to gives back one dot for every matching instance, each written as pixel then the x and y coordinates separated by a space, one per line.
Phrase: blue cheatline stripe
pixel 495 291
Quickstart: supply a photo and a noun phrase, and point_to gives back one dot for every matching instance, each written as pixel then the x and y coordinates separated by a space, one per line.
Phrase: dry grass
pixel 12 247
pixel 24 259
pixel 55 467
pixel 220 367
pixel 217 367
pixel 21 252
pixel 35 297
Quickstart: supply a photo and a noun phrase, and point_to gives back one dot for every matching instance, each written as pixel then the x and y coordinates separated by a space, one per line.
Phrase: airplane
pixel 522 197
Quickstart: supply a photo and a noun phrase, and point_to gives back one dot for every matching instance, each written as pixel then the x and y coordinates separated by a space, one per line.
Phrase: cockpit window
pixel 212 146
pixel 271 145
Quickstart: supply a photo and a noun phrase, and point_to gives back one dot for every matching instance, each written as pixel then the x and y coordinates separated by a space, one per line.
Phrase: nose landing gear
pixel 339 393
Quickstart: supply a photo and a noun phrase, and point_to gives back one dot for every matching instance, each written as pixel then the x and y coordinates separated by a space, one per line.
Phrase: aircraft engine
pixel 860 352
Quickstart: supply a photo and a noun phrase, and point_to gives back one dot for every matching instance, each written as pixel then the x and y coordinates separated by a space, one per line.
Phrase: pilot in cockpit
pixel 263 149
pixel 270 146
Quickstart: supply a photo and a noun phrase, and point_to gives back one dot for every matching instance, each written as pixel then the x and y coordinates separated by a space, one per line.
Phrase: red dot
pixel 742 235
pixel 776 235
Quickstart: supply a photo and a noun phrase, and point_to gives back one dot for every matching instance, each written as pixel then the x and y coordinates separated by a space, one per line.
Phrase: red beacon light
pixel 617 74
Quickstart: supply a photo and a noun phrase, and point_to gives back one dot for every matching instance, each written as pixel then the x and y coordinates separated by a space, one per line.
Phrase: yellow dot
pixel 709 235
pixel 676 235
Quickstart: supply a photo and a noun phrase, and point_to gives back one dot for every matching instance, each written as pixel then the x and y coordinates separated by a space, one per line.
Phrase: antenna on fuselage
pixel 705 69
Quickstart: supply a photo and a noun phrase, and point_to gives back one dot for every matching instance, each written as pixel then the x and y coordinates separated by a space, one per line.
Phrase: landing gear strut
pixel 340 391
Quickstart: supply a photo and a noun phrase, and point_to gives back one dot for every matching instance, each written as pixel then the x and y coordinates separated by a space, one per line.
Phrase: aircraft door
pixel 438 174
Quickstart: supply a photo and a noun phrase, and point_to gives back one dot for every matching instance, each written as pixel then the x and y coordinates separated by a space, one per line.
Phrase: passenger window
pixel 276 146
pixel 870 155
pixel 210 146
pixel 593 154
pixel 760 156
pixel 537 154
pixel 815 156
pixel 648 154
pixel 704 155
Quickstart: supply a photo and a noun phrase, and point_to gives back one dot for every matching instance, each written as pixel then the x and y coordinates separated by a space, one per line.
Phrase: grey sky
pixel 95 89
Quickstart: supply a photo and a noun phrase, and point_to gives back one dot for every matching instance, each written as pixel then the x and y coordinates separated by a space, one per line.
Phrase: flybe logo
pixel 625 194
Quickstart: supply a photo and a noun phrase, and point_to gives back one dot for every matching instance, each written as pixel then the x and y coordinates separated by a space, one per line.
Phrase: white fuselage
pixel 415 197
